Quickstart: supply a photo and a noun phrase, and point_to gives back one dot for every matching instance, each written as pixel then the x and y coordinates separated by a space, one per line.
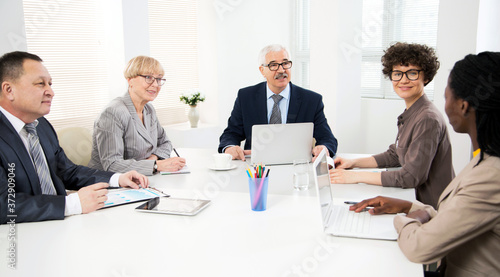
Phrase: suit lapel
pixel 261 104
pixel 294 106
pixel 12 138
pixel 141 129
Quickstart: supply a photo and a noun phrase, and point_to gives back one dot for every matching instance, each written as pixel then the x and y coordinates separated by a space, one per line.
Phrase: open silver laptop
pixel 274 144
pixel 338 220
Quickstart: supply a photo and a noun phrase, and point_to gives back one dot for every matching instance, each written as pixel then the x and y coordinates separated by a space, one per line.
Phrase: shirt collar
pixel 285 93
pixel 17 123
pixel 408 113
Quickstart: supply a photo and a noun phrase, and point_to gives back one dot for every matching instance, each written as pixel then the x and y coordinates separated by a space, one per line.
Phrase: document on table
pixel 183 170
pixel 125 196
pixel 369 169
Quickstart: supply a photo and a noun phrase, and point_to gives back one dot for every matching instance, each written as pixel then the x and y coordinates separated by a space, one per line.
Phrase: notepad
pixel 183 170
pixel 125 196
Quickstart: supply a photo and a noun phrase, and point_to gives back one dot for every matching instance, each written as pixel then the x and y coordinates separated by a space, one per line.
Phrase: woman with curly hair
pixel 422 148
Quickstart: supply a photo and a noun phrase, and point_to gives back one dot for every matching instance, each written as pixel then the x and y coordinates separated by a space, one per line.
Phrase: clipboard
pixel 118 197
pixel 174 206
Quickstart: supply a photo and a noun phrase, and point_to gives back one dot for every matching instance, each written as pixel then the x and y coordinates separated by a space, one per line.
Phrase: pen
pixel 351 202
pixel 176 153
pixel 166 195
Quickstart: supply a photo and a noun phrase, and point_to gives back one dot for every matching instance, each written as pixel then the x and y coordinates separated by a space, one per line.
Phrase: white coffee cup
pixel 222 160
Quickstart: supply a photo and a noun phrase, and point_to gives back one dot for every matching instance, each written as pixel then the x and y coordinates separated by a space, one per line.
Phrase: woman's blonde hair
pixel 142 65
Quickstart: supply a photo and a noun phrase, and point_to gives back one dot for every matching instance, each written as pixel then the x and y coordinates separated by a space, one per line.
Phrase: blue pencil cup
pixel 258 193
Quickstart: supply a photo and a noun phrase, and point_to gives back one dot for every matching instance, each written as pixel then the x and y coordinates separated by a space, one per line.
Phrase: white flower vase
pixel 193 116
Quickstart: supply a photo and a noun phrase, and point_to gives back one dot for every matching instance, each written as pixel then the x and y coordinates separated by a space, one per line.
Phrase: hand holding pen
pixel 171 164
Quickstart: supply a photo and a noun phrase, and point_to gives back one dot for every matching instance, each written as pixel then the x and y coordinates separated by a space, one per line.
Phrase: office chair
pixel 77 144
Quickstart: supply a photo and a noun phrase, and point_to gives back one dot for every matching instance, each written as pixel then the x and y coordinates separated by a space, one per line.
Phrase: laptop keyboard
pixel 349 221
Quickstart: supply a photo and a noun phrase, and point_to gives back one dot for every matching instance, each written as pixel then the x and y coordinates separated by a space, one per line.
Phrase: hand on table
pixel 237 152
pixel 383 205
pixel 340 163
pixel 342 176
pixel 133 179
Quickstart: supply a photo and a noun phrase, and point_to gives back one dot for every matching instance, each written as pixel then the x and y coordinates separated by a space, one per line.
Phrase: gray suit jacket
pixel 466 228
pixel 122 143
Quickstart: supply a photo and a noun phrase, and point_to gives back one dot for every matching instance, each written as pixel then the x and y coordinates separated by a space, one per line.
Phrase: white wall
pixel 116 45
pixel 243 29
pixel 208 64
pixel 12 34
pixel 135 28
pixel 457 33
pixel 488 27
pixel 335 68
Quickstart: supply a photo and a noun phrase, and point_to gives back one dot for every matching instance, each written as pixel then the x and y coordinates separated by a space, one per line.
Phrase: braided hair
pixel 476 79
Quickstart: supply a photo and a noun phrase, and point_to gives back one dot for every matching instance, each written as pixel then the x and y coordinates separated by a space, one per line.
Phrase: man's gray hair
pixel 271 48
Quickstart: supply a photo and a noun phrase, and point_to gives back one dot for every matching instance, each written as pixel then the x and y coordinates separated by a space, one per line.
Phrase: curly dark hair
pixel 406 54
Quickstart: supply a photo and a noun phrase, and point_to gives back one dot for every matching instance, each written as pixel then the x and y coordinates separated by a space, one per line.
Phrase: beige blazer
pixel 121 142
pixel 466 228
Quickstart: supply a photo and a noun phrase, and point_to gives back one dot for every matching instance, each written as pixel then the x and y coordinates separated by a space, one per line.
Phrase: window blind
pixel 386 22
pixel 173 28
pixel 69 38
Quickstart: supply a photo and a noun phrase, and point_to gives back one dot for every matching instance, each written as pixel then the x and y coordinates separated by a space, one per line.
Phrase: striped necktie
pixel 42 169
pixel 276 113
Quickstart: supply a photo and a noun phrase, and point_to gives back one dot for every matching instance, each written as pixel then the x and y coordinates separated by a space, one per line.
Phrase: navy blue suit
pixel 17 171
pixel 250 108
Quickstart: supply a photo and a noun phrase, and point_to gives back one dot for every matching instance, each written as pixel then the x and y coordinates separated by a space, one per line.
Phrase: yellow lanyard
pixel 476 152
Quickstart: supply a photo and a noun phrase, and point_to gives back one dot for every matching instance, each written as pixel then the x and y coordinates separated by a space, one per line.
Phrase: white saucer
pixel 212 167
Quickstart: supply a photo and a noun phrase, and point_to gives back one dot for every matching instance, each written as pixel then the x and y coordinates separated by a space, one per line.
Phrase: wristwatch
pixel 155 168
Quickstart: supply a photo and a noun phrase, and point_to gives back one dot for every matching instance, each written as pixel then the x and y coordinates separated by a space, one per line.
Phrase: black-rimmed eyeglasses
pixel 411 74
pixel 275 66
pixel 149 79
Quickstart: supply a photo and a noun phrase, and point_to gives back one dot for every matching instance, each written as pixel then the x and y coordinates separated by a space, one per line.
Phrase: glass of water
pixel 301 174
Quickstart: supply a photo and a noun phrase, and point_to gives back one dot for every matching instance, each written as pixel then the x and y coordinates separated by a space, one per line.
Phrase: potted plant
pixel 192 98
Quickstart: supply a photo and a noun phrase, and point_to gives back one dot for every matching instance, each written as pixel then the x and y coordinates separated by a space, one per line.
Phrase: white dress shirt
pixel 283 104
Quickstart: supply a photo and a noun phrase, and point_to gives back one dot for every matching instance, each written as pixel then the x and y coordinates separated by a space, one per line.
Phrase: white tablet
pixel 177 206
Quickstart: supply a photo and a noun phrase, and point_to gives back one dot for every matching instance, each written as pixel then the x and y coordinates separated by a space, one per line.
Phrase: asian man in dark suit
pixel 34 171
pixel 257 105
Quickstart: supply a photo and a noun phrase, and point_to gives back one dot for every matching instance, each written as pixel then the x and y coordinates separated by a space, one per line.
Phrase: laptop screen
pixel 323 183
pixel 274 144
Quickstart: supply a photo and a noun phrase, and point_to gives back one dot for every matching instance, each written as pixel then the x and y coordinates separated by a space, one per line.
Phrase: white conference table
pixel 226 239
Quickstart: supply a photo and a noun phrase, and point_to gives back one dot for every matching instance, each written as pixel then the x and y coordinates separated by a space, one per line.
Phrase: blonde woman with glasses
pixel 127 134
